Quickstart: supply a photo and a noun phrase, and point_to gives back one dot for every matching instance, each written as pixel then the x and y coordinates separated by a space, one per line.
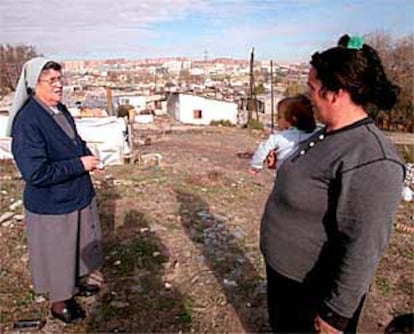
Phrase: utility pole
pixel 205 66
pixel 252 98
pixel 272 103
pixel 109 105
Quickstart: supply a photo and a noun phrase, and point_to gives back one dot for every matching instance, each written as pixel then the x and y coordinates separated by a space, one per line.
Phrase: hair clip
pixel 355 43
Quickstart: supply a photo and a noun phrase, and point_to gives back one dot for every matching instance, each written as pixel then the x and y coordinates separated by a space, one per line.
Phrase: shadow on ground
pixel 231 267
pixel 135 297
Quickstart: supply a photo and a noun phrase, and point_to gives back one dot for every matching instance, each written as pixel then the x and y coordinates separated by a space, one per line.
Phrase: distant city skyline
pixel 284 30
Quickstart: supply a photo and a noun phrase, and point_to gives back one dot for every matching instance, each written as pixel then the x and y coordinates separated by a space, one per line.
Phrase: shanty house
pixel 155 103
pixel 137 101
pixel 199 110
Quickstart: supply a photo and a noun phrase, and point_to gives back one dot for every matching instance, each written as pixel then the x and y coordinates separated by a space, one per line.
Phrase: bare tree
pixel 295 88
pixel 12 58
pixel 402 71
pixel 398 58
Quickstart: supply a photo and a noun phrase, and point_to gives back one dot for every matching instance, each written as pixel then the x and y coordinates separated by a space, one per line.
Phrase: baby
pixel 295 122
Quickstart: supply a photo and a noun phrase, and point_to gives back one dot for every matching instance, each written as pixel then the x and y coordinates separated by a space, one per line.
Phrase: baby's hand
pixel 271 160
pixel 254 171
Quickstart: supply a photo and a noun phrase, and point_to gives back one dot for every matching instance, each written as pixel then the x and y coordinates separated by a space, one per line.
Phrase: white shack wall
pixel 138 102
pixel 211 110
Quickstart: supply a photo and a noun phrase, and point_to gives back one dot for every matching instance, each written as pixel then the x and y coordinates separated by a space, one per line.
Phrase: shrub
pixel 221 122
pixel 255 124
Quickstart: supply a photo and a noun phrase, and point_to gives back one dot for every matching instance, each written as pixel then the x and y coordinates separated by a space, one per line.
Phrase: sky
pixel 283 30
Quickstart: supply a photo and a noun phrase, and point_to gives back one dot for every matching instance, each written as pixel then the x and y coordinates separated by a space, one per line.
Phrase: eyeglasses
pixel 53 81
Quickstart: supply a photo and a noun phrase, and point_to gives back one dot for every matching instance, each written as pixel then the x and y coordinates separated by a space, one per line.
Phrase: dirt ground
pixel 181 244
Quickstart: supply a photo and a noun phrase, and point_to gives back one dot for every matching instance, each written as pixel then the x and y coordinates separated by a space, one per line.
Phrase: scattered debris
pixel 18 218
pixel 6 216
pixel 230 283
pixel 245 155
pixel 118 304
pixel 16 205
pixel 39 299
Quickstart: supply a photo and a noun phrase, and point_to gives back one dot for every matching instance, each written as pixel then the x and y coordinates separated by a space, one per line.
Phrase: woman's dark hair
pixel 359 71
pixel 298 111
pixel 52 65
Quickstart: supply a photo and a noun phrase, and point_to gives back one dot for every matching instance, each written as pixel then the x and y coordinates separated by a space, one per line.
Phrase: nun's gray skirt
pixel 63 248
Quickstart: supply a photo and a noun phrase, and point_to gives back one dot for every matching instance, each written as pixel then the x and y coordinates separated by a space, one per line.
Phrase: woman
pixel 59 198
pixel 328 220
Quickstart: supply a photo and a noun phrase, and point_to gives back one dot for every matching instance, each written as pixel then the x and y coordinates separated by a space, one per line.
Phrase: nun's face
pixel 49 87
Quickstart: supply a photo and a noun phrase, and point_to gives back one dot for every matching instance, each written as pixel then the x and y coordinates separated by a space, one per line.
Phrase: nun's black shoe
pixel 72 313
pixel 87 290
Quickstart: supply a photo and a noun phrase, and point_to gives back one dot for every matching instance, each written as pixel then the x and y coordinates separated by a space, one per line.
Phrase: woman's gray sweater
pixel 331 211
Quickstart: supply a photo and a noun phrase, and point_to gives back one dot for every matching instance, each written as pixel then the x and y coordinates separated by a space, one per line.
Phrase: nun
pixel 63 228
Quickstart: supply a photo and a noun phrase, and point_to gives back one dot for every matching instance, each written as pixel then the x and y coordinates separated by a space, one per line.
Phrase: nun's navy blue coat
pixel 49 160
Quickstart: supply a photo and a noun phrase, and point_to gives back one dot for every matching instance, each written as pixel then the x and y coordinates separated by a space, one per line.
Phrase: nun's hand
pixel 90 162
